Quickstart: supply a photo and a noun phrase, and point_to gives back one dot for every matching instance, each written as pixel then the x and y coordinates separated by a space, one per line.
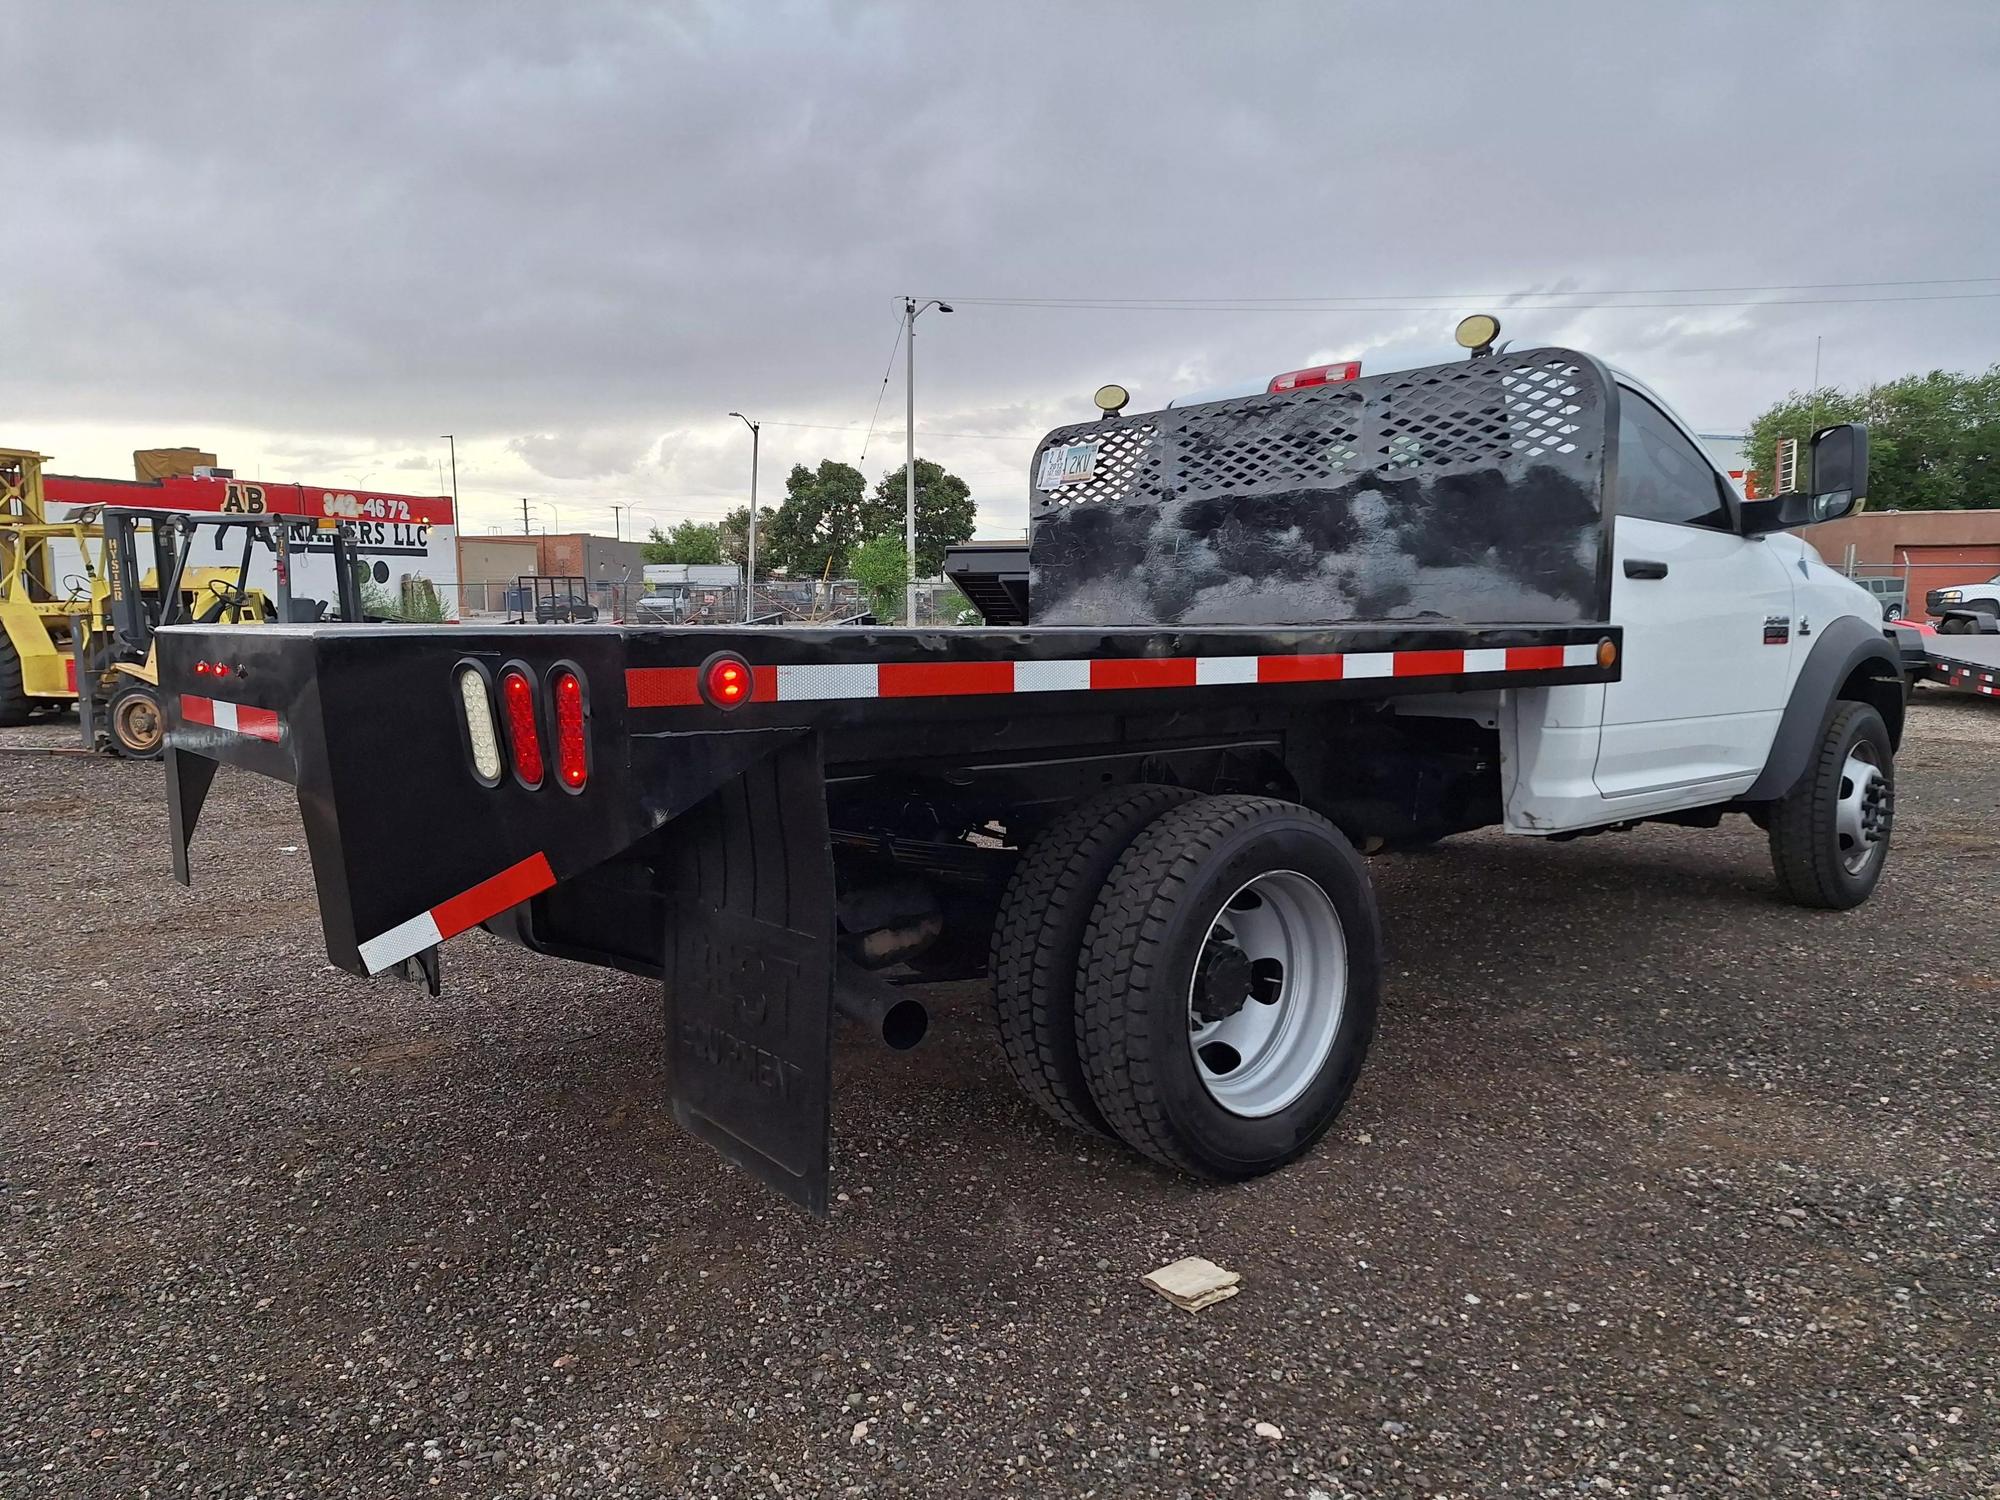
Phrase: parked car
pixel 565 609
pixel 1891 593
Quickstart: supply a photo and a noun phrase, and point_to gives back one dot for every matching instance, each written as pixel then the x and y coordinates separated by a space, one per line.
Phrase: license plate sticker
pixel 1070 464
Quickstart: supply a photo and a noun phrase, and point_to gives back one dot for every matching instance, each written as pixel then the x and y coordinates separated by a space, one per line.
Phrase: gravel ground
pixel 1653 1187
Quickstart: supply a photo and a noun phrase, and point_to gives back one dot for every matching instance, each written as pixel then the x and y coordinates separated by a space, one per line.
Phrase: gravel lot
pixel 1653 1187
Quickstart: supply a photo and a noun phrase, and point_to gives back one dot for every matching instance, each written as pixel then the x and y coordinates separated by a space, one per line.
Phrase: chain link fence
pixel 775 601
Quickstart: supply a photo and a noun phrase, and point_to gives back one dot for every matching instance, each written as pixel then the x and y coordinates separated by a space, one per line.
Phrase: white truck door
pixel 1708 627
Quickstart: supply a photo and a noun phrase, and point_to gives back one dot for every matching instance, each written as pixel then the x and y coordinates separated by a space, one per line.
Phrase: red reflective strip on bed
pixel 1429 663
pixel 1143 672
pixel 915 679
pixel 661 687
pixel 1534 658
pixel 1312 667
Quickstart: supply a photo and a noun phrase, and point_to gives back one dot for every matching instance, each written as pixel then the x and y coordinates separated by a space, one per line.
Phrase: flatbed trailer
pixel 1967 662
pixel 1140 816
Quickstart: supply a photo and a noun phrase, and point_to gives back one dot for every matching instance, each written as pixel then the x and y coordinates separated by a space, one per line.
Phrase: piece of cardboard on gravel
pixel 1194 1283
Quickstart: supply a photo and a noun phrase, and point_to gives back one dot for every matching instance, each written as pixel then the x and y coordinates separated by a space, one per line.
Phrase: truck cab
pixel 1721 616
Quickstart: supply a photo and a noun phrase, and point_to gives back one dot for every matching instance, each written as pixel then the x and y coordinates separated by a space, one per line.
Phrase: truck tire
pixel 1039 935
pixel 1830 832
pixel 1229 984
pixel 135 722
pixel 15 705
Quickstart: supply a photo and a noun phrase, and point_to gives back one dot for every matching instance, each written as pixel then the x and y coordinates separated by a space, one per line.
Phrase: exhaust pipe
pixel 891 1016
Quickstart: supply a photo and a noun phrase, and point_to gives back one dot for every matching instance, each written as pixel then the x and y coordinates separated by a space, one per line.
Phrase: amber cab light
pixel 572 743
pixel 524 741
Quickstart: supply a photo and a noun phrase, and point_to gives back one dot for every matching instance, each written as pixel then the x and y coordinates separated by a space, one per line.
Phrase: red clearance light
pixel 572 745
pixel 1298 380
pixel 201 669
pixel 524 741
pixel 726 682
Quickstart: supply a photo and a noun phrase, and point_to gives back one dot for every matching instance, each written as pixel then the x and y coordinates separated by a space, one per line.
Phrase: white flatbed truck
pixel 1263 635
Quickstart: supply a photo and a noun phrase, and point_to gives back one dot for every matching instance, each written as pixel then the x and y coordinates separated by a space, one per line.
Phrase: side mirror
pixel 1840 484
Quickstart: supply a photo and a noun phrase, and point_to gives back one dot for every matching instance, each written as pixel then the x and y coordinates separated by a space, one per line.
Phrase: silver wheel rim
pixel 1268 992
pixel 1860 817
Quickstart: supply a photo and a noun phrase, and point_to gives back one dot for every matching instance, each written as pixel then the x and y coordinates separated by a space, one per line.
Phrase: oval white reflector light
pixel 480 730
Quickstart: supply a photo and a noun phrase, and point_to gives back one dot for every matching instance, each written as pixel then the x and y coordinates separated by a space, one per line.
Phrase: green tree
pixel 882 570
pixel 945 512
pixel 1933 439
pixel 688 542
pixel 733 532
pixel 820 521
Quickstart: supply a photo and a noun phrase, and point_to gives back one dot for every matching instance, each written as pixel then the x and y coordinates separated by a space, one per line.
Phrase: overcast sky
pixel 313 238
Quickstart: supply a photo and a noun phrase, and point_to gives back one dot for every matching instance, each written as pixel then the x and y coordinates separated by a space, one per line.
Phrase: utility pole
pixel 910 311
pixel 454 481
pixel 750 541
pixel 524 517
pixel 617 511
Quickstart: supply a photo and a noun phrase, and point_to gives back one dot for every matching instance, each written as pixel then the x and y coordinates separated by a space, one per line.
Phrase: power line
pixel 1455 297
pixel 1246 307
pixel 993 437
pixel 887 370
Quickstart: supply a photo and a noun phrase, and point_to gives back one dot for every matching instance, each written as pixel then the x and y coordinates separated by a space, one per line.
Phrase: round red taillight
pixel 726 681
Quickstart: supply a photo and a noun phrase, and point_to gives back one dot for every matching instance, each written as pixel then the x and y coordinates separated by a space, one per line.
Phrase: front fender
pixel 1846 645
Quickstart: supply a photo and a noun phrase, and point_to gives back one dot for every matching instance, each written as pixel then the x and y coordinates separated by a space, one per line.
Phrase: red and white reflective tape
pixel 1986 682
pixel 450 917
pixel 676 687
pixel 240 718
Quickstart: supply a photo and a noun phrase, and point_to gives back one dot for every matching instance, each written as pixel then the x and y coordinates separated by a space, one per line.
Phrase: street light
pixel 910 312
pixel 750 547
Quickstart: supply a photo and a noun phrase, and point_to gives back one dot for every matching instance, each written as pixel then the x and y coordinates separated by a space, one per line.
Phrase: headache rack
pixel 1470 492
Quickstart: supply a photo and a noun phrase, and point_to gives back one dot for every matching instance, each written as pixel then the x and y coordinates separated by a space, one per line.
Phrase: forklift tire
pixel 1038 937
pixel 1229 985
pixel 136 723
pixel 15 705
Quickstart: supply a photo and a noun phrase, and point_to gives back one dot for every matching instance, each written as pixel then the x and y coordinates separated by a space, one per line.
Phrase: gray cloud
pixel 564 232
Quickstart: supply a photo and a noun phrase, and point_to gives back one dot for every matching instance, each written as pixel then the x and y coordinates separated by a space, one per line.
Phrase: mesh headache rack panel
pixel 1469 492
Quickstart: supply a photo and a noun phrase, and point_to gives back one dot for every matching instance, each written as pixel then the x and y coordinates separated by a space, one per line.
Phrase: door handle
pixel 1644 567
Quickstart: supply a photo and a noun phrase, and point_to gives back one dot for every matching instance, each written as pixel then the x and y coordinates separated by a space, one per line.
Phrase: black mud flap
pixel 749 973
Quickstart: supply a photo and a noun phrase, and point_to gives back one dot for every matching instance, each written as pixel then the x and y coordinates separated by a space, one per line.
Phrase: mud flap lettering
pixel 749 974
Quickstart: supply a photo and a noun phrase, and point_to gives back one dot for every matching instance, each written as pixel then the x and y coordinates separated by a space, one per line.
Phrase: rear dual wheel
pixel 1039 938
pixel 1223 984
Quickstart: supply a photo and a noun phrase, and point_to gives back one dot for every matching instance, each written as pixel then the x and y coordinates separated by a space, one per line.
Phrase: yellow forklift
pixel 85 636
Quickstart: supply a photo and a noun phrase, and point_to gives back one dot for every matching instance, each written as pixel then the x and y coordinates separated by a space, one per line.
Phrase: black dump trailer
pixel 779 823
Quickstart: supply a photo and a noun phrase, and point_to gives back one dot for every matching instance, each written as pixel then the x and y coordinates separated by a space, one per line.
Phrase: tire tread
pixel 1805 862
pixel 1034 955
pixel 1129 928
